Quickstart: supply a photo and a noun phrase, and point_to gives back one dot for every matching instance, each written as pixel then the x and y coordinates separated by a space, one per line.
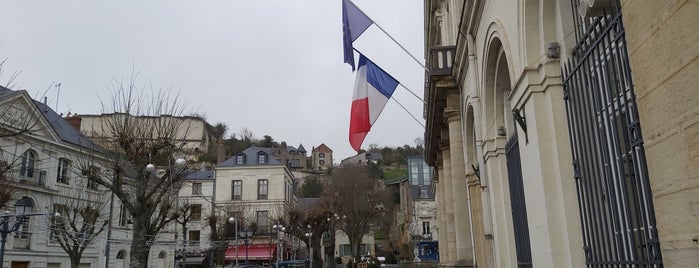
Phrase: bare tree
pixel 142 128
pixel 10 82
pixel 247 136
pixel 223 231
pixel 310 218
pixel 354 194
pixel 79 222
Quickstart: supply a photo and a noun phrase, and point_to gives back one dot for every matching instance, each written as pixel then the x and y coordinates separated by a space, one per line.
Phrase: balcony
pixel 22 240
pixel 34 177
pixel 441 60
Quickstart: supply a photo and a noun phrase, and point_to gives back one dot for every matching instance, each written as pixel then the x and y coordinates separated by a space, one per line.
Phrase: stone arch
pixel 162 255
pixel 122 254
pixel 497 88
pixel 497 125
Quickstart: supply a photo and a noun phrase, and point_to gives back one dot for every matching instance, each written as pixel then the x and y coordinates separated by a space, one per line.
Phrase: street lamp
pixel 23 209
pixel 330 241
pixel 278 228
pixel 232 220
pixel 309 234
pixel 246 234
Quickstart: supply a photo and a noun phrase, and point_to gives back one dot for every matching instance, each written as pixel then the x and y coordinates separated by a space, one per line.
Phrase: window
pixel 123 216
pixel 194 237
pixel 262 189
pixel 27 167
pixel 426 227
pixel 195 212
pixel 237 190
pixel 239 159
pixel 321 155
pixel 263 221
pixel 321 162
pixel 196 188
pixel 92 174
pixel 261 158
pixel 62 173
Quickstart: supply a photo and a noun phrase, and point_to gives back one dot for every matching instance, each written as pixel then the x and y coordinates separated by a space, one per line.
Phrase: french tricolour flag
pixel 372 89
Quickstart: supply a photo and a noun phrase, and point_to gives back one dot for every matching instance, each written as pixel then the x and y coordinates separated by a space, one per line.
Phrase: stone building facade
pixel 321 157
pixel 563 132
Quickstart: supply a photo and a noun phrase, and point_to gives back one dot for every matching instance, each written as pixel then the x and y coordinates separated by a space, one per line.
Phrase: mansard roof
pixel 250 157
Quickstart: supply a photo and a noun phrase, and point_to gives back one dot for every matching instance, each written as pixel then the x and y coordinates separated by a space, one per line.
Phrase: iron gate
pixel 613 189
pixel 519 208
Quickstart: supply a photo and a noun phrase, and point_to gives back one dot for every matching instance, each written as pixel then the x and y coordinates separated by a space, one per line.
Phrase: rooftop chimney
pixel 74 120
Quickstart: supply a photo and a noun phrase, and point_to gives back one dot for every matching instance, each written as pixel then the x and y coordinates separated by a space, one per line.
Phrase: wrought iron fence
pixel 613 188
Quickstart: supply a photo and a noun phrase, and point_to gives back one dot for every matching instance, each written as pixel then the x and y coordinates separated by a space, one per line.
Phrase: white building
pixel 258 189
pixel 43 165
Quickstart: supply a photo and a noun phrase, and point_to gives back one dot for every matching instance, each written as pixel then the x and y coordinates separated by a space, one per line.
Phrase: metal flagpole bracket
pixel 521 121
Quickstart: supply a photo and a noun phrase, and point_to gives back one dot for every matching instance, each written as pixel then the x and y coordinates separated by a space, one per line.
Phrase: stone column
pixel 462 217
pixel 449 203
pixel 441 213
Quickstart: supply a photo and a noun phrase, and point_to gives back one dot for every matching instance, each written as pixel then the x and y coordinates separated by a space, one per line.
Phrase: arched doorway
pixel 121 259
pixel 500 127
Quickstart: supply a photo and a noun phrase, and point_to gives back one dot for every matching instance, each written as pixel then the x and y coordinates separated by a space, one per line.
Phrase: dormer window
pixel 261 158
pixel 240 159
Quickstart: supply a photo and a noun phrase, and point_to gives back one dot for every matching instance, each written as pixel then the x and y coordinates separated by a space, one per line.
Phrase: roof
pixel 200 175
pixel 301 149
pixel 322 147
pixel 250 157
pixel 65 131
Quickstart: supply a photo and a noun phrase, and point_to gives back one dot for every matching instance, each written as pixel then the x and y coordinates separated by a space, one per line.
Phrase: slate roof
pixel 301 149
pixel 251 157
pixel 65 131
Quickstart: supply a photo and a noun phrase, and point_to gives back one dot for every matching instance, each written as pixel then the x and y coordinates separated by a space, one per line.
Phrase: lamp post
pixel 246 234
pixel 179 164
pixel 232 220
pixel 309 234
pixel 23 209
pixel 332 220
pixel 278 228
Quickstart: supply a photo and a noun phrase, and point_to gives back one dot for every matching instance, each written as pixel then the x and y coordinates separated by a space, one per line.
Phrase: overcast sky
pixel 273 66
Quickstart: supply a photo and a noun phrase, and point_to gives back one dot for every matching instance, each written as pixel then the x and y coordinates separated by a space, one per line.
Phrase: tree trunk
pixel 139 247
pixel 354 246
pixel 74 261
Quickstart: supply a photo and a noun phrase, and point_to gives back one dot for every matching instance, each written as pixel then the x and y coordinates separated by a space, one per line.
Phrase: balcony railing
pixel 22 240
pixel 441 60
pixel 32 177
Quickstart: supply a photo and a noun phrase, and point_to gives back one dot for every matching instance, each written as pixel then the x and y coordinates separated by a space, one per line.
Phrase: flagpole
pixel 406 110
pixel 389 36
pixel 399 83
pixel 411 92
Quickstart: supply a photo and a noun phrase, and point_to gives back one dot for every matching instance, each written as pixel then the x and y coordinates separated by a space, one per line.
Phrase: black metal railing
pixel 32 177
pixel 441 60
pixel 22 240
pixel 518 204
pixel 613 188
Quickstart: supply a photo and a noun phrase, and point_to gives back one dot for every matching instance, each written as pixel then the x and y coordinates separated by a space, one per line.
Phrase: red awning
pixel 254 252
